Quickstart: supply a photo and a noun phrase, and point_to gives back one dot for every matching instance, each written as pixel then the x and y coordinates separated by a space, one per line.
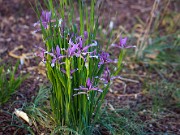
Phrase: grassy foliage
pixel 14 121
pixel 164 52
pixel 121 122
pixel 159 32
pixel 117 121
pixel 161 55
pixel 163 90
pixel 39 111
pixel 9 83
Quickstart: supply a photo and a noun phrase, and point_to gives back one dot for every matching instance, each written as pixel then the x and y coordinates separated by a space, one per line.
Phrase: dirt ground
pixel 16 27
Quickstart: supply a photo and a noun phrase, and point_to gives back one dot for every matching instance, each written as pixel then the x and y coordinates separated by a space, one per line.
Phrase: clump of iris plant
pixel 75 67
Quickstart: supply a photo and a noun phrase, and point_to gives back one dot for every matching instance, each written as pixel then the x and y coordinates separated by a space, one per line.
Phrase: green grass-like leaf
pixel 9 83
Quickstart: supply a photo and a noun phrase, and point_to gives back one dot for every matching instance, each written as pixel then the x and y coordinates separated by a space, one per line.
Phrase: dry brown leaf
pixel 41 68
pixel 23 116
pixel 152 56
pixel 23 57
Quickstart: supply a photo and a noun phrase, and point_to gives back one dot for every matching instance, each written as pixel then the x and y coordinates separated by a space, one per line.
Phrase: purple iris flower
pixel 56 56
pixel 72 49
pixel 81 41
pixel 104 59
pixel 77 49
pixel 45 19
pixel 89 87
pixel 106 77
pixel 82 51
pixel 122 44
